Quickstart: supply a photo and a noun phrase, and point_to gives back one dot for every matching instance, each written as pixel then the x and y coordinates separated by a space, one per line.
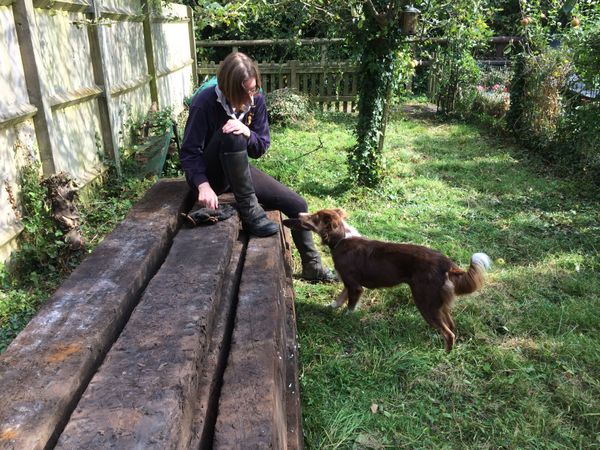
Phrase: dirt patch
pixel 422 111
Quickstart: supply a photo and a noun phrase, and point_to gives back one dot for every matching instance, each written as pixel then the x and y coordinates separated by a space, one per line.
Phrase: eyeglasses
pixel 251 92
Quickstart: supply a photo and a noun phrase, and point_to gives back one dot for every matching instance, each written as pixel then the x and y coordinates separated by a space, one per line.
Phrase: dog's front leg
pixel 354 294
pixel 341 299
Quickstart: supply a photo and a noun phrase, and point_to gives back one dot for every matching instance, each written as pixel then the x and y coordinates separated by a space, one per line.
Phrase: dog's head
pixel 329 224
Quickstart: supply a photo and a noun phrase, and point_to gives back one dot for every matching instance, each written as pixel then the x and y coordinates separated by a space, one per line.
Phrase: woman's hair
pixel 233 71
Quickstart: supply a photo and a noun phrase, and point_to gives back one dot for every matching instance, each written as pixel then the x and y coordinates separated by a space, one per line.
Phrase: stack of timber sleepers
pixel 155 336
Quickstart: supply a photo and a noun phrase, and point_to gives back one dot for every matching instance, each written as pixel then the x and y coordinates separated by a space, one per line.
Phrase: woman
pixel 228 123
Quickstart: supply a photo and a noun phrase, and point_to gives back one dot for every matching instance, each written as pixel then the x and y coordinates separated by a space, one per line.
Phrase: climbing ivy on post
pixel 381 35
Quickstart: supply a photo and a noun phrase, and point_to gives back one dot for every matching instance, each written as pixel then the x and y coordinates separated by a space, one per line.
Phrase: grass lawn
pixel 525 372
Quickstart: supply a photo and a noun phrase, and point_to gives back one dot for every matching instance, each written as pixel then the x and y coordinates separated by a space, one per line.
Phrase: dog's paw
pixel 334 305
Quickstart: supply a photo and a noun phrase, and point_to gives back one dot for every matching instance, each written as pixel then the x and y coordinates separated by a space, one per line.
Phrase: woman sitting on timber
pixel 226 124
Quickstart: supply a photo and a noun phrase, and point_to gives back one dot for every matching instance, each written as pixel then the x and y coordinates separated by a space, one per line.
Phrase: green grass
pixel 525 372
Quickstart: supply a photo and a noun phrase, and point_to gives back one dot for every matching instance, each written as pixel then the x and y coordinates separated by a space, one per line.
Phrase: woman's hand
pixel 236 127
pixel 207 197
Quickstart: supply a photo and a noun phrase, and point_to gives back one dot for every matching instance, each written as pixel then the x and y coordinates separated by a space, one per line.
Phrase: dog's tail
pixel 472 279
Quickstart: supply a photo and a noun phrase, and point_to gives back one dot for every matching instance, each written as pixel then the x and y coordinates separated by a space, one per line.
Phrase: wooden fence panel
pixel 174 62
pixel 329 83
pixel 79 71
pixel 67 73
pixel 17 131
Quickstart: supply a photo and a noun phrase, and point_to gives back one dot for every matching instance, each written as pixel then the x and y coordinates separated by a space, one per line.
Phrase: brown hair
pixel 234 70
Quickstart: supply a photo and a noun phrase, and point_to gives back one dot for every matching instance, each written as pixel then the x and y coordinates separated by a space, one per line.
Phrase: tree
pixel 380 35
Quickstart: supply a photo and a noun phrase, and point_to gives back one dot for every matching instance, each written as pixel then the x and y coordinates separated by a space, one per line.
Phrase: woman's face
pixel 250 89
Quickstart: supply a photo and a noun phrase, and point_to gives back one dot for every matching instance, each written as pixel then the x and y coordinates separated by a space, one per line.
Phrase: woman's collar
pixel 228 109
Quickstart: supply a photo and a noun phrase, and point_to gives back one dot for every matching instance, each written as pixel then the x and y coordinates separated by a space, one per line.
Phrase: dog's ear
pixel 341 212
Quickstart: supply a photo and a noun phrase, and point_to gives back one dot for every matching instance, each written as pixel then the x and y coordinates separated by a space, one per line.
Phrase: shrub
pixel 577 137
pixel 536 97
pixel 492 102
pixel 580 127
pixel 42 243
pixel 287 106
pixel 457 73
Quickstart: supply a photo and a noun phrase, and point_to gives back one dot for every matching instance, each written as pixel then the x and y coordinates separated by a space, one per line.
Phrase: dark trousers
pixel 269 192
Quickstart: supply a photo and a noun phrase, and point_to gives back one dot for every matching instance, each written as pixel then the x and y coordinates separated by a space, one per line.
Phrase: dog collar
pixel 334 246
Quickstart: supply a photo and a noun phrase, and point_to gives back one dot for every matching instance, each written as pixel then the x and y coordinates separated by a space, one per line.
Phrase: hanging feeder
pixel 409 20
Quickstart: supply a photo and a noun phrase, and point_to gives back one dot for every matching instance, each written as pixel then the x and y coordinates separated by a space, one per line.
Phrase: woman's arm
pixel 190 153
pixel 260 137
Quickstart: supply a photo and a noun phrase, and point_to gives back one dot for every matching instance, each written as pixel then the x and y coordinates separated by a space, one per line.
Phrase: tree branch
pixel 380 18
pixel 320 146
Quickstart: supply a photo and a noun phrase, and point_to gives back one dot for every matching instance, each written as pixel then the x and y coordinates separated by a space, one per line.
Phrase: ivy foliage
pixel 375 84
pixel 379 37
pixel 42 244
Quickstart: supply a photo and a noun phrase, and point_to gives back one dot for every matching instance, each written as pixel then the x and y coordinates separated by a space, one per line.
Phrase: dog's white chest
pixel 350 230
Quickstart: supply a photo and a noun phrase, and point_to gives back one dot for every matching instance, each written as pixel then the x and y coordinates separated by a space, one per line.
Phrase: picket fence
pixel 332 85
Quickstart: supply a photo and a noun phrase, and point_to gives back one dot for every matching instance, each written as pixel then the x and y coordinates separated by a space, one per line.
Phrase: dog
pixel 434 279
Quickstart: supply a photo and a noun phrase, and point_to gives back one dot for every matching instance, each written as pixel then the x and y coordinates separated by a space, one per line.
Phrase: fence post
pixel 98 50
pixel 149 47
pixel 193 53
pixel 323 54
pixel 294 74
pixel 38 96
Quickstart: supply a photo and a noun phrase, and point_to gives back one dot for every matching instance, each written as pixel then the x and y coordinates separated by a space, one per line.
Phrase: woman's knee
pixel 297 205
pixel 232 143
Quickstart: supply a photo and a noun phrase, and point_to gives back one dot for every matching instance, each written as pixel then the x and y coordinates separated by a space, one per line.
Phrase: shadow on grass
pixel 319 189
pixel 392 319
pixel 337 118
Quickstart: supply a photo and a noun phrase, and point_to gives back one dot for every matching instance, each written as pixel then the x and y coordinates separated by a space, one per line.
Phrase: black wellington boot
pixel 312 268
pixel 254 219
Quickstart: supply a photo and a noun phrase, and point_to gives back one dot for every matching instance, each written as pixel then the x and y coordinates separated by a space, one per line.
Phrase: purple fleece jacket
pixel 205 118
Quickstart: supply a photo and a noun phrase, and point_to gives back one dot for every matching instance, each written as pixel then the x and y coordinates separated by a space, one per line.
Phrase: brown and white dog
pixel 434 279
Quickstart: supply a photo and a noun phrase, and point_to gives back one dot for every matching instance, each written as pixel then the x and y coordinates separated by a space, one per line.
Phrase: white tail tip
pixel 481 259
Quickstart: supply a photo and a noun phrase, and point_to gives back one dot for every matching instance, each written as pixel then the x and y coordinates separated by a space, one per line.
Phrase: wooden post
pixel 149 47
pixel 294 74
pixel 323 54
pixel 98 51
pixel 354 89
pixel 38 96
pixel 193 54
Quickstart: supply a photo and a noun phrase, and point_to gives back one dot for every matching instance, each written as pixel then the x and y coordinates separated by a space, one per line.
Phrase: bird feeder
pixel 408 19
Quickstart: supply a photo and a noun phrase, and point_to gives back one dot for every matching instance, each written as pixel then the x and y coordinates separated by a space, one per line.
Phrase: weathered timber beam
pixel 44 371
